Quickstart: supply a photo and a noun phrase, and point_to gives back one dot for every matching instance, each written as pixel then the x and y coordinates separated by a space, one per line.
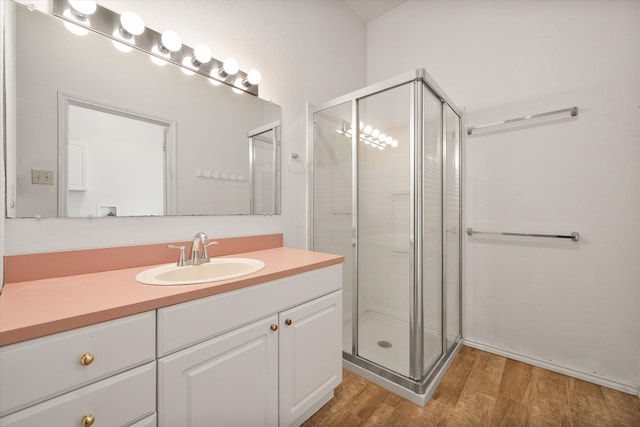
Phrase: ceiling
pixel 368 10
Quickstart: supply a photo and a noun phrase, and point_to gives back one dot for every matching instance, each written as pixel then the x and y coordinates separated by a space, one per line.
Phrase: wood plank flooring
pixel 482 389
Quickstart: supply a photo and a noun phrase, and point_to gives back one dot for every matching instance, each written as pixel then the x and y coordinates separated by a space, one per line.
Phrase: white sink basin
pixel 216 270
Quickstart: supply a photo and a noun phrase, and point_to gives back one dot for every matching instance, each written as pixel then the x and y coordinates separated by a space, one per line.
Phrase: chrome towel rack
pixel 574 236
pixel 568 112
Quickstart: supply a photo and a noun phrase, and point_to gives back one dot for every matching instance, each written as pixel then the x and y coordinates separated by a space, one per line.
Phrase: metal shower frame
pixel 416 381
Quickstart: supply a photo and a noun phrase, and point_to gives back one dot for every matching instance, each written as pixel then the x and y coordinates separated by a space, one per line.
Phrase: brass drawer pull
pixel 274 327
pixel 86 360
pixel 88 420
pixel 288 322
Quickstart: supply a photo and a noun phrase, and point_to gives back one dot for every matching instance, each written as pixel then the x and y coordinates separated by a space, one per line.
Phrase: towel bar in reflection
pixel 574 236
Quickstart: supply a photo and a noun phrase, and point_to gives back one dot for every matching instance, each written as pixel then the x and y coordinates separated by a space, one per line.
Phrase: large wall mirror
pixel 93 131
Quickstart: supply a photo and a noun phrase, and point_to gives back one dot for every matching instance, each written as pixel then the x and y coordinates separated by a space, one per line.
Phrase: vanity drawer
pixel 42 368
pixel 117 401
pixel 182 325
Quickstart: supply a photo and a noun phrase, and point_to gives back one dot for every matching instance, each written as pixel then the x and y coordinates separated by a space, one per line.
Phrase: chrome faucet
pixel 200 239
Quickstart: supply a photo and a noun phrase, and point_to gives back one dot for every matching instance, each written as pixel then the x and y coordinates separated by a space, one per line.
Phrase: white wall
pixel 307 51
pixel 571 306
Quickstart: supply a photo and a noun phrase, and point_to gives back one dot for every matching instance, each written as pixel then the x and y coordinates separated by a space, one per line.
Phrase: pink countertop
pixel 35 308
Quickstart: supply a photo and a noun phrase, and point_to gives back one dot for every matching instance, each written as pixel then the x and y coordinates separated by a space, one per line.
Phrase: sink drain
pixel 384 344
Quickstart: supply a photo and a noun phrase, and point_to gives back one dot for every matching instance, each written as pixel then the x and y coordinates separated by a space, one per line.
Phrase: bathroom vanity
pixel 263 349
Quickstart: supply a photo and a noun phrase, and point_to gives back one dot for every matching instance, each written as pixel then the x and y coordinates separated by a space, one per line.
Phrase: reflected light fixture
pixel 370 136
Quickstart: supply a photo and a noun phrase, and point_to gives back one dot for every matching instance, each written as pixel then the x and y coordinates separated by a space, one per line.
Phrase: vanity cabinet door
pixel 230 380
pixel 310 357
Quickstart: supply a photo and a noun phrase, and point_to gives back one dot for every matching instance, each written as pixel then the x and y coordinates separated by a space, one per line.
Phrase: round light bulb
pixel 375 133
pixel 132 23
pixel 230 66
pixel 254 77
pixel 73 28
pixel 171 41
pixel 380 147
pixel 159 61
pixel 388 140
pixel 121 46
pixel 83 8
pixel 187 63
pixel 394 143
pixel 367 129
pixel 382 137
pixel 202 54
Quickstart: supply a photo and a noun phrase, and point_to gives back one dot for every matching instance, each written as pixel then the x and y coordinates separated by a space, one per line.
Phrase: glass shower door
pixel 383 240
pixel 332 201
pixel 453 230
pixel 431 229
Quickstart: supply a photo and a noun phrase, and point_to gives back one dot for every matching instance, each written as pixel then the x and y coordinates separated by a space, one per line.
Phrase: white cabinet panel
pixel 39 369
pixel 310 355
pixel 116 401
pixel 231 380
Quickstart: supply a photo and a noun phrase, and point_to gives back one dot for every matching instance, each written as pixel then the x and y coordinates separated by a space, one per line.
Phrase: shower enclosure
pixel 385 187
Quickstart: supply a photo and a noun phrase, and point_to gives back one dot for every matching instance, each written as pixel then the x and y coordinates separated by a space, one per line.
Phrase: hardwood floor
pixel 482 389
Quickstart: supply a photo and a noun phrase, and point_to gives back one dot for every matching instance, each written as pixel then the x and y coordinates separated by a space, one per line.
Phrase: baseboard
pixel 595 379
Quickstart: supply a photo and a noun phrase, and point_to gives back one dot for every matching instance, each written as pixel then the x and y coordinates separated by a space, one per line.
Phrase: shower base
pixel 375 330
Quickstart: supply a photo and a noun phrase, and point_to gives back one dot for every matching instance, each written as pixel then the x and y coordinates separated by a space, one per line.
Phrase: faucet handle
pixel 181 261
pixel 205 253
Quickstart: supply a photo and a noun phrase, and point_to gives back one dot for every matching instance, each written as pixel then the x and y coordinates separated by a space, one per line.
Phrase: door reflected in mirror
pixel 264 157
pixel 205 127
pixel 115 164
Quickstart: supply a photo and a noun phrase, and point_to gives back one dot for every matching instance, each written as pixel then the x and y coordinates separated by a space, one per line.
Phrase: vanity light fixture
pixel 254 77
pixel 79 11
pixel 127 31
pixel 229 67
pixel 170 41
pixel 131 25
pixel 201 55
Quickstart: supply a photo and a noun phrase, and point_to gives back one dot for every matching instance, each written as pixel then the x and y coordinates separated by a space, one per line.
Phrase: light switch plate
pixel 42 176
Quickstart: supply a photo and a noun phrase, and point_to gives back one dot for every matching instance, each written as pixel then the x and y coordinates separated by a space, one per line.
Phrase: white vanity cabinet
pixel 310 357
pixel 102 374
pixel 224 379
pixel 265 355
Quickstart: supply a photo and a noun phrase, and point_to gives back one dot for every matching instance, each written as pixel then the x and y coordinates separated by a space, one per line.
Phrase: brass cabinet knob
pixel 274 327
pixel 288 322
pixel 88 420
pixel 85 360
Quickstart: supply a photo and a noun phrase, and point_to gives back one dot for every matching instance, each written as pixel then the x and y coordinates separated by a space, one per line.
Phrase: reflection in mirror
pixel 207 124
pixel 264 157
pixel 101 181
